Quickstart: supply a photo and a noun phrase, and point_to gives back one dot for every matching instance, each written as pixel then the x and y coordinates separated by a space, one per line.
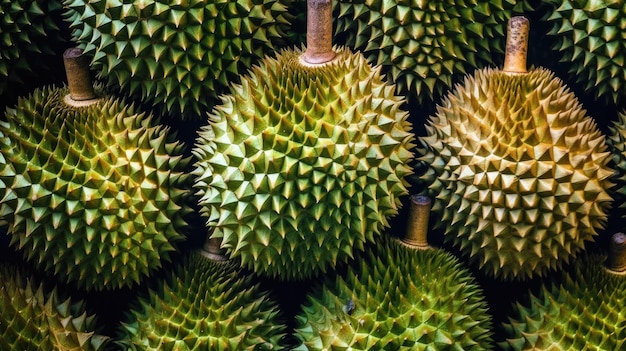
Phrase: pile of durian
pixel 312 175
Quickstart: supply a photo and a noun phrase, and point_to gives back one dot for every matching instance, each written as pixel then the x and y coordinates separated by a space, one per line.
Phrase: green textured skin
pixel 518 171
pixel 206 305
pixel 398 298
pixel 617 145
pixel 94 194
pixel 31 320
pixel 27 33
pixel 590 39
pixel 301 165
pixel 178 54
pixel 584 312
pixel 426 46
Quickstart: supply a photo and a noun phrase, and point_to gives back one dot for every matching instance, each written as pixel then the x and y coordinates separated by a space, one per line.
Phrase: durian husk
pixel 617 145
pixel 204 305
pixel 303 164
pixel 95 195
pixel 33 319
pixel 397 298
pixel 178 55
pixel 518 172
pixel 583 311
pixel 589 38
pixel 425 47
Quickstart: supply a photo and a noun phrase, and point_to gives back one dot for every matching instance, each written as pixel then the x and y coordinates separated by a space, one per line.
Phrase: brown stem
pixel 319 33
pixel 212 249
pixel 78 75
pixel 516 45
pixel 616 261
pixel 417 227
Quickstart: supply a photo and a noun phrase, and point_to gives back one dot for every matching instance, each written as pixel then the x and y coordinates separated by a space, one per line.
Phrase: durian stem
pixel 78 78
pixel 212 249
pixel 616 261
pixel 516 45
pixel 417 227
pixel 319 33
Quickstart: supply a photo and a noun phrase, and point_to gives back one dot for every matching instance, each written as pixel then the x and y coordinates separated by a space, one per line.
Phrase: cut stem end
pixel 319 33
pixel 417 227
pixel 616 262
pixel 81 88
pixel 516 45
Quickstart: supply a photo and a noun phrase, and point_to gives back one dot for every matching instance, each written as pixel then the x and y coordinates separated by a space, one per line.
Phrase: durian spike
pixel 417 227
pixel 516 45
pixel 81 88
pixel 616 262
pixel 212 249
pixel 319 32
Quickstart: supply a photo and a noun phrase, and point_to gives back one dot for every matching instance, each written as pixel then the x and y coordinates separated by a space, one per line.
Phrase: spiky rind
pixel 425 46
pixel 180 55
pixel 33 320
pixel 590 40
pixel 582 312
pixel 302 164
pixel 398 298
pixel 27 32
pixel 518 172
pixel 617 145
pixel 94 194
pixel 206 305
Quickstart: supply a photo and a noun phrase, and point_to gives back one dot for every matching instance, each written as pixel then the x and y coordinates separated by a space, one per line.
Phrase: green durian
pixel 178 54
pixel 584 311
pixel 302 164
pixel 398 298
pixel 589 38
pixel 205 305
pixel 425 46
pixel 518 172
pixel 617 145
pixel 27 37
pixel 95 195
pixel 33 319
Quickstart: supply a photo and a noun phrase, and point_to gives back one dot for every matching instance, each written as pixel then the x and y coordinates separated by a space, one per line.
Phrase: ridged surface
pixel 93 194
pixel 518 172
pixel 584 312
pixel 426 46
pixel 617 145
pixel 302 165
pixel 590 40
pixel 205 305
pixel 34 320
pixel 398 299
pixel 178 54
pixel 27 32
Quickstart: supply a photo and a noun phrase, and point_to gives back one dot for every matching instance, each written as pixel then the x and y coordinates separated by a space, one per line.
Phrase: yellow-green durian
pixel 583 311
pixel 94 195
pixel 398 298
pixel 34 319
pixel 589 37
pixel 178 54
pixel 303 164
pixel 518 172
pixel 204 305
pixel 425 46
pixel 27 37
pixel 617 144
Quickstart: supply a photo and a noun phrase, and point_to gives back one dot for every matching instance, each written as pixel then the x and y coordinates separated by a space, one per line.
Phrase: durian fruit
pixel 518 170
pixel 204 305
pixel 33 319
pixel 589 38
pixel 585 311
pixel 302 163
pixel 398 297
pixel 426 46
pixel 94 194
pixel 617 145
pixel 178 54
pixel 27 35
